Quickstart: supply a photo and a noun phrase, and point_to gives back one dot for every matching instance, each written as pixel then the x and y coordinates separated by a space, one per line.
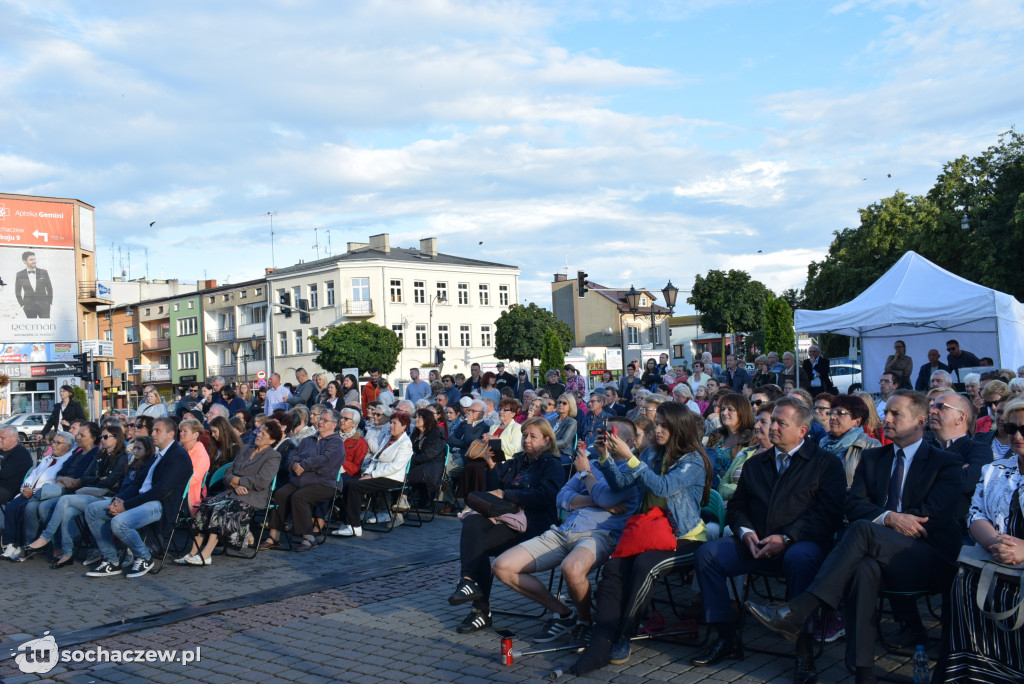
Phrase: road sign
pixel 103 348
pixel 261 375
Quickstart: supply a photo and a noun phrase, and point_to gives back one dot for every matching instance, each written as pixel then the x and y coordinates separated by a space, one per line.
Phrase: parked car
pixel 28 424
pixel 846 377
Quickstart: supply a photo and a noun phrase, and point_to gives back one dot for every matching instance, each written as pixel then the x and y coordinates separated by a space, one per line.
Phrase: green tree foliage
pixel 729 302
pixel 987 189
pixel 778 325
pixel 520 333
pixel 552 356
pixel 361 345
pixel 78 394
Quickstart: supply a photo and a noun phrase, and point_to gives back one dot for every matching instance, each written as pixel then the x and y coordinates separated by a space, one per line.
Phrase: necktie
pixel 896 483
pixel 783 462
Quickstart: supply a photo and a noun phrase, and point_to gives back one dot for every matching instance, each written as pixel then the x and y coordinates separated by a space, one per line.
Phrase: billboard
pixel 30 223
pixel 46 352
pixel 38 302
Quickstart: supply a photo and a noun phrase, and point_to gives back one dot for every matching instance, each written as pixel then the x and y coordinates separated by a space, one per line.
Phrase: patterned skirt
pixel 979 651
pixel 227 518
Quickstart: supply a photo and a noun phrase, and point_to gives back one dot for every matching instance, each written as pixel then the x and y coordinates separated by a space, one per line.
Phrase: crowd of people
pixel 717 470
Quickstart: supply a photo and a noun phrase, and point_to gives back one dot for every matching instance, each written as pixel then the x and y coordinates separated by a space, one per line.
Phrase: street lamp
pixel 246 356
pixel 440 298
pixel 633 302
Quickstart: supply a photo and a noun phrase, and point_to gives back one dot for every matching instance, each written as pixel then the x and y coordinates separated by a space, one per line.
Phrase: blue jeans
pixel 37 516
pixel 125 525
pixel 69 507
pixel 728 557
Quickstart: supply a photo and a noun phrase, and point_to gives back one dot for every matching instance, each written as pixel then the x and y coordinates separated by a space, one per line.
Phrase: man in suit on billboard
pixel 33 289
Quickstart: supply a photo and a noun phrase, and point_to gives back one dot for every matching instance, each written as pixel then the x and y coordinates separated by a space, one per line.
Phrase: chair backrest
pixel 219 475
pixel 714 511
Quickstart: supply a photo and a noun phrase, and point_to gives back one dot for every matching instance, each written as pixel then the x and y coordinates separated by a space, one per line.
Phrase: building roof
pixel 405 255
pixel 618 297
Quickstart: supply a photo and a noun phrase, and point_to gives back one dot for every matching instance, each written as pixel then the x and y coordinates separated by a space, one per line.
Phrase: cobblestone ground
pixel 380 614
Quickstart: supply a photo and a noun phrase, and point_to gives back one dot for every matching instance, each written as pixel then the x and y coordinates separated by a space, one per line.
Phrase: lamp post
pixel 633 302
pixel 246 356
pixel 440 297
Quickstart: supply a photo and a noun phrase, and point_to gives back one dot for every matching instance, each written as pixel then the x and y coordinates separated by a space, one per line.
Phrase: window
pixel 147 310
pixel 442 292
pixel 360 289
pixel 396 291
pixel 108 335
pixel 632 334
pixel 644 301
pixel 177 306
pixel 421 335
pixel 296 295
pixel 191 304
pixel 313 297
pixel 298 341
pixel 464 335
pixel 442 336
pixel 225 321
pixel 398 330
pixel 657 335
pixel 160 309
pixel 188 360
pixel 329 286
pixel 244 294
pixel 226 298
pixel 485 295
pixel 257 313
pixel 131 335
pixel 419 292
pixel 225 357
pixel 259 291
pixel 503 295
pixel 258 353
pixel 463 293
pixel 314 332
pixel 485 336
pixel 132 363
pixel 213 298
pixel 282 343
pixel 187 326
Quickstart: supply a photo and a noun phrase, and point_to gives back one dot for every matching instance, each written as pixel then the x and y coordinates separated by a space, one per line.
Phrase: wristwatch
pixel 787 540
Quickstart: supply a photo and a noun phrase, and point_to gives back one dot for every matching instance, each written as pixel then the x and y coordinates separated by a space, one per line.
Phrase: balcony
pixel 88 291
pixel 222 370
pixel 356 309
pixel 163 375
pixel 156 344
pixel 225 335
pixel 246 331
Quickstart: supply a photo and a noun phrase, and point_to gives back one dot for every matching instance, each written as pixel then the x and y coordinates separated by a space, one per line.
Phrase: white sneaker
pixel 9 551
pixel 399 519
pixel 384 517
pixel 193 559
pixel 348 531
pixel 403 503
pixel 369 517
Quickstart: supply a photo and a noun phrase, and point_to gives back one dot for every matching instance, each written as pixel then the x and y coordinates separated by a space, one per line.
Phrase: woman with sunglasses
pixel 996 522
pixel 103 479
pixel 991 397
pixel 564 426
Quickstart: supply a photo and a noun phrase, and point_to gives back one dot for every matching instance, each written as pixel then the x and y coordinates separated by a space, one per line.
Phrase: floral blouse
pixel 1000 481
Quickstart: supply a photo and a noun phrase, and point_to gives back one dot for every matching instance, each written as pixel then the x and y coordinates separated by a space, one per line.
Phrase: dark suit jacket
pixel 170 477
pixel 805 502
pixel 924 376
pixel 975 456
pixel 822 367
pixel 35 300
pixel 465 434
pixel 735 379
pixel 931 489
pixel 72 413
pixel 14 465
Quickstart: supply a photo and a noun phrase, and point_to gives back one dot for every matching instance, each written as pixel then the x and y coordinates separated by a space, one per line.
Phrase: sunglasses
pixel 942 406
pixel 950 349
pixel 993 403
pixel 757 402
pixel 1010 429
pixel 106 436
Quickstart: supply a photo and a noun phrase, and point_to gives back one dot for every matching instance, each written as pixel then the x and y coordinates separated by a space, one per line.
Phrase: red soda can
pixel 506 651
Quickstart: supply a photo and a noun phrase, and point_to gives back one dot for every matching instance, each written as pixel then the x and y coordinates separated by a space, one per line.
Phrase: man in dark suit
pixel 924 375
pixel 816 372
pixel 734 375
pixel 152 497
pixel 903 534
pixel 784 515
pixel 949 416
pixel 15 462
pixel 33 289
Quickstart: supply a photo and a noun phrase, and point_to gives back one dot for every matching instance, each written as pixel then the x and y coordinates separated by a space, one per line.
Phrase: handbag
pixel 477 450
pixel 489 505
pixel 100 492
pixel 650 531
pixel 990 572
pixel 50 491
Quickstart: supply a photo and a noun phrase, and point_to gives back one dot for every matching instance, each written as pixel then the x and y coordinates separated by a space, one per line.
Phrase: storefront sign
pixel 31 223
pixel 39 352
pixel 54 369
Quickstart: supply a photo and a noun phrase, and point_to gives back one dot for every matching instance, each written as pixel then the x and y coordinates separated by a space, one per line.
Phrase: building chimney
pixel 381 243
pixel 560 278
pixel 428 247
pixel 353 246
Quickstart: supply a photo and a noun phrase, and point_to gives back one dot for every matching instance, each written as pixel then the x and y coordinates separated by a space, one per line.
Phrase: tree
pixel 778 325
pixel 729 302
pixel 361 345
pixel 520 331
pixel 552 356
pixel 79 395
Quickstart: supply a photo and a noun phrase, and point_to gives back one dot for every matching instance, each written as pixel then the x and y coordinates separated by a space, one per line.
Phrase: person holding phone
pixel 506 438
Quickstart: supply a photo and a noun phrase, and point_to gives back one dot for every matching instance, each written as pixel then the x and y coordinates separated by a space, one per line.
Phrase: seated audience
pixel 189 432
pixel 846 438
pixel 15 462
pixel 31 490
pixel 428 454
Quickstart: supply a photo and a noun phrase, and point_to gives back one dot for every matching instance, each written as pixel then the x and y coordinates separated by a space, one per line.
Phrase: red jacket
pixel 356 449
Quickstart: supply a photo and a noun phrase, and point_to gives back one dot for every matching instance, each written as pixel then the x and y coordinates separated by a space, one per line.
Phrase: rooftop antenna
pixel 566 267
pixel 316 237
pixel 129 263
pixel 330 252
pixel 111 260
pixel 271 214
pixel 151 224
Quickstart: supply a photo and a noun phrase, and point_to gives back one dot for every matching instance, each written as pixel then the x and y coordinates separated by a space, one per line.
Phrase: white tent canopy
pixel 923 305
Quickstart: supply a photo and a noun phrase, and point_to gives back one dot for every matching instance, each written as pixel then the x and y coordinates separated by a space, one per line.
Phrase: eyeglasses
pixel 822 409
pixel 139 425
pixel 504 410
pixel 839 413
pixel 106 436
pixel 757 402
pixel 883 381
pixel 1011 429
pixel 950 349
pixel 942 406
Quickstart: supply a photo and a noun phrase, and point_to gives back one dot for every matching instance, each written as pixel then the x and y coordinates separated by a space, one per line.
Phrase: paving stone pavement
pixel 385 621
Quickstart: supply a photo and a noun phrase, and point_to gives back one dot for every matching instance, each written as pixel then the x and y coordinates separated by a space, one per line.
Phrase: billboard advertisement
pixel 37 295
pixel 47 352
pixel 30 223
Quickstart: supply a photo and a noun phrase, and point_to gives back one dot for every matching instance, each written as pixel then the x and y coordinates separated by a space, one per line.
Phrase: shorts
pixel 551 548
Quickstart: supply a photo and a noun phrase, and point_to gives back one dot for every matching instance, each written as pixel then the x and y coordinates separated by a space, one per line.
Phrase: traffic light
pixel 286 299
pixel 581 284
pixel 97 384
pixel 83 364
pixel 438 357
pixel 303 311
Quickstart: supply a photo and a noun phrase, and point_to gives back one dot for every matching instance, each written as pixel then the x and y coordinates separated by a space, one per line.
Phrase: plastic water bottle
pixel 921 673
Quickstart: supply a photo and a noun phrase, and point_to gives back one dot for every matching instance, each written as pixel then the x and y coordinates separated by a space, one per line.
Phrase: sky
pixel 637 141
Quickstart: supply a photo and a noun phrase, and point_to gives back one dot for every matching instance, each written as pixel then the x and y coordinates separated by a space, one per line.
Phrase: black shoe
pixel 465 591
pixel 58 563
pixel 805 672
pixel 719 651
pixel 779 619
pixel 474 622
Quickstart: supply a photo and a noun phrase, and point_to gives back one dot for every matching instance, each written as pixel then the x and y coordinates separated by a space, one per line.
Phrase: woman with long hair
pixel 332 395
pixel 735 433
pixel 651 377
pixel 489 387
pixel 677 477
pixel 873 425
pixel 564 426
pixel 428 452
pixel 350 390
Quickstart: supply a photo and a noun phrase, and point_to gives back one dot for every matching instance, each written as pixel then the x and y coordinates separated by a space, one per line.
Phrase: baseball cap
pixel 466 402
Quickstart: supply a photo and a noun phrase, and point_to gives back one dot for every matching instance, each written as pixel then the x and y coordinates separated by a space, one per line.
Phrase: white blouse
pixel 1000 481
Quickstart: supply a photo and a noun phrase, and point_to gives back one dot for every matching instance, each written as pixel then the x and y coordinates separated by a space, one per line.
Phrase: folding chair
pixel 384 497
pixel 446 484
pixel 154 541
pixel 257 538
pixel 432 509
pixel 332 503
pixel 543 611
pixel 219 475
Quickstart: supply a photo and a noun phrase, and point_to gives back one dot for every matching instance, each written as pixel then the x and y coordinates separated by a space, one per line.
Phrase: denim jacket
pixel 682 486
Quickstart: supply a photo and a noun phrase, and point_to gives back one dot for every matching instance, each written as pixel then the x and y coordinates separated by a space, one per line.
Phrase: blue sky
pixel 639 141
